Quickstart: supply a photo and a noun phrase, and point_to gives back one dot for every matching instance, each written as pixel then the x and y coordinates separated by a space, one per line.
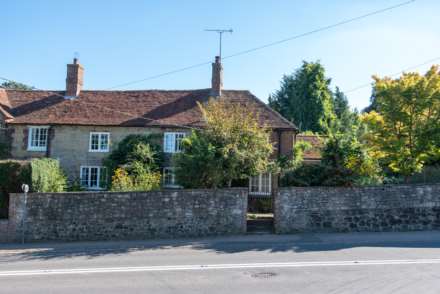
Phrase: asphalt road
pixel 314 263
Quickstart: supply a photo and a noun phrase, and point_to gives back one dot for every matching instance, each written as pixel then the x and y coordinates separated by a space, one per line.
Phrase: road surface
pixel 311 263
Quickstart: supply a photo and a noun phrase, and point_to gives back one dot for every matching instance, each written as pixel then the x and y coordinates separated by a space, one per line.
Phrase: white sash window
pixel 172 142
pixel 93 177
pixel 37 138
pixel 99 142
pixel 260 184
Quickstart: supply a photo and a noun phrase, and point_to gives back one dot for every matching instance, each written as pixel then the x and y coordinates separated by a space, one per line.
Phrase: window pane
pixel 104 142
pixel 93 177
pixel 178 140
pixel 169 141
pixel 33 134
pixel 168 177
pixel 43 137
pixel 265 185
pixel 254 184
pixel 94 142
pixel 85 177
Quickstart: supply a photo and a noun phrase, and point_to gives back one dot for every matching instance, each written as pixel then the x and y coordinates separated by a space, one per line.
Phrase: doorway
pixel 260 214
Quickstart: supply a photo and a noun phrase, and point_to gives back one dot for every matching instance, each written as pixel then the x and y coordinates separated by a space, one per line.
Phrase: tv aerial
pixel 220 33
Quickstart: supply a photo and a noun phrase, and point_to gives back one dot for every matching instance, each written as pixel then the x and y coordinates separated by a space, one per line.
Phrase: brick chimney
pixel 217 78
pixel 74 80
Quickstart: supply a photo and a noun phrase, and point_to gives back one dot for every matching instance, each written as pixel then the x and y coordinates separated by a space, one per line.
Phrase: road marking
pixel 215 267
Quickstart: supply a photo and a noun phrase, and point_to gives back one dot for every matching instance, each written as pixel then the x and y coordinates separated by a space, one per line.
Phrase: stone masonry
pixel 136 215
pixel 331 209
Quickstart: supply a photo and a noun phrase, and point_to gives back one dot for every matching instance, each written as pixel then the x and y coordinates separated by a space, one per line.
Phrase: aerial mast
pixel 220 33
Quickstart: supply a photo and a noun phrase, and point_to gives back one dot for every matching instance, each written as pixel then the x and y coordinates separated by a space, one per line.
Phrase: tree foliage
pixel 233 145
pixel 135 164
pixel 405 130
pixel 305 98
pixel 141 180
pixel 15 86
pixel 345 118
pixel 47 176
pixel 348 161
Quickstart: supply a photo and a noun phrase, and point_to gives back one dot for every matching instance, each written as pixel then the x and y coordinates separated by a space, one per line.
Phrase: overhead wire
pixel 247 51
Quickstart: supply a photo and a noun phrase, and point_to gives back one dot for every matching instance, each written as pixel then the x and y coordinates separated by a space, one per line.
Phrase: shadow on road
pixel 223 245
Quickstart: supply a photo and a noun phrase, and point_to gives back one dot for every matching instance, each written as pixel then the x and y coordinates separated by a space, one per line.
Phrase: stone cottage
pixel 80 127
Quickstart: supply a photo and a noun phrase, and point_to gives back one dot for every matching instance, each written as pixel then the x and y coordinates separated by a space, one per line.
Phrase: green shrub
pixel 141 180
pixel 135 164
pixel 75 186
pixel 47 176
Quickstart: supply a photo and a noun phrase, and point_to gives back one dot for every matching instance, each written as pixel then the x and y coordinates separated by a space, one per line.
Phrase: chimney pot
pixel 74 79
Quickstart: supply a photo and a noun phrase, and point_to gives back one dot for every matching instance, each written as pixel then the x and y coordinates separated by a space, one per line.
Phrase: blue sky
pixel 121 41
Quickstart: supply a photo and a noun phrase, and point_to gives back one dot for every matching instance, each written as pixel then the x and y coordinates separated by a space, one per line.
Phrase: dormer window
pixel 37 138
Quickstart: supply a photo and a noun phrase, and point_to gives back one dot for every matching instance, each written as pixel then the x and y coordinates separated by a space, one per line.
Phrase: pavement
pixel 303 263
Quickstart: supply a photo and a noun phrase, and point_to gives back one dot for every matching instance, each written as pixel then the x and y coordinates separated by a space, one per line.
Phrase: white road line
pixel 214 267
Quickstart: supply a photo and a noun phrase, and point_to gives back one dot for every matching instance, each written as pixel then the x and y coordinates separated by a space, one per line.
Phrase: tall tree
pixel 305 98
pixel 232 146
pixel 345 118
pixel 405 130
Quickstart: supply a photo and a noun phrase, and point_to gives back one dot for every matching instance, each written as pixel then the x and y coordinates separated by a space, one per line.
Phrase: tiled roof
pixel 317 142
pixel 125 108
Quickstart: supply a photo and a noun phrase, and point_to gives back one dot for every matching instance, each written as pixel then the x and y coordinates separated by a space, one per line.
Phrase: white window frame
pixel 98 182
pixel 99 134
pixel 260 185
pixel 31 130
pixel 171 142
pixel 173 183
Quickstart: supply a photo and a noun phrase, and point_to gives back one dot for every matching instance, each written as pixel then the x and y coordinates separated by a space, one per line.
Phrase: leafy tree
pixel 305 98
pixel 347 161
pixel 135 164
pixel 405 130
pixel 15 86
pixel 233 145
pixel 373 103
pixel 345 118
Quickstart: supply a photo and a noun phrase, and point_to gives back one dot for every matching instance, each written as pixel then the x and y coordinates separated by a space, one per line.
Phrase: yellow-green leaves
pixel 405 130
pixel 233 145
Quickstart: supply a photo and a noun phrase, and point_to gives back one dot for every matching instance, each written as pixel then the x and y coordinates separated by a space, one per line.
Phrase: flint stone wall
pixel 137 215
pixel 331 209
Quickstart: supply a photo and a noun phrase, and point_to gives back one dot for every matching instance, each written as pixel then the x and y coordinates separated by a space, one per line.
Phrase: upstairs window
pixel 172 142
pixel 99 142
pixel 261 184
pixel 37 138
pixel 93 177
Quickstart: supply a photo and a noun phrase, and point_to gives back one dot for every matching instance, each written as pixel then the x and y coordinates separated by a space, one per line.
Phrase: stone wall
pixel 117 216
pixel 4 232
pixel 331 209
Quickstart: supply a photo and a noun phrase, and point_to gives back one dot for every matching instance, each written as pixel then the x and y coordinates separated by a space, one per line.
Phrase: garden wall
pixel 331 209
pixel 140 215
pixel 4 232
